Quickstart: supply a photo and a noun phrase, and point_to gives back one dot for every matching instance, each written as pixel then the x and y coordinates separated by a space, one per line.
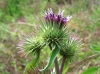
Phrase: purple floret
pixel 57 19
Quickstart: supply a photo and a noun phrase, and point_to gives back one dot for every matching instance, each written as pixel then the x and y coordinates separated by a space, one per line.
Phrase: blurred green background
pixel 18 19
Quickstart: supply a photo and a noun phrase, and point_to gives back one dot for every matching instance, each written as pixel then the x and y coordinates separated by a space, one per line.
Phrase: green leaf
pixel 95 47
pixel 65 67
pixel 92 70
pixel 34 62
pixel 52 58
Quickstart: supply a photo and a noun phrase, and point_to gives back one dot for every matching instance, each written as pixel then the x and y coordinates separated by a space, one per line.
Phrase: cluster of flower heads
pixel 57 19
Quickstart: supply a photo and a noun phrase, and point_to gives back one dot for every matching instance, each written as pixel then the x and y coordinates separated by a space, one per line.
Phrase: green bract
pixel 69 49
pixel 53 36
pixel 31 46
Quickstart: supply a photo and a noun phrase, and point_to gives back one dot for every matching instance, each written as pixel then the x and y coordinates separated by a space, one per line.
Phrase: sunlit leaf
pixel 95 48
pixel 92 70
pixel 52 58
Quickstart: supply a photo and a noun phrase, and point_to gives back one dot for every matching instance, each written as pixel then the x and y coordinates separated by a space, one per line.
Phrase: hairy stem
pixel 56 66
pixel 62 65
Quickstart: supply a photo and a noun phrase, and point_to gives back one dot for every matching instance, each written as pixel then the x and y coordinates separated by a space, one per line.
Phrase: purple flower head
pixel 57 19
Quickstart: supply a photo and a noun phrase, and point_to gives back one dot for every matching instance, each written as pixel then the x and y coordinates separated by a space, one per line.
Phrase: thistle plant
pixel 55 35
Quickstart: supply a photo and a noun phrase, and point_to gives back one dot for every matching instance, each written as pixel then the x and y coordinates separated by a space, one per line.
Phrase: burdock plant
pixel 55 35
